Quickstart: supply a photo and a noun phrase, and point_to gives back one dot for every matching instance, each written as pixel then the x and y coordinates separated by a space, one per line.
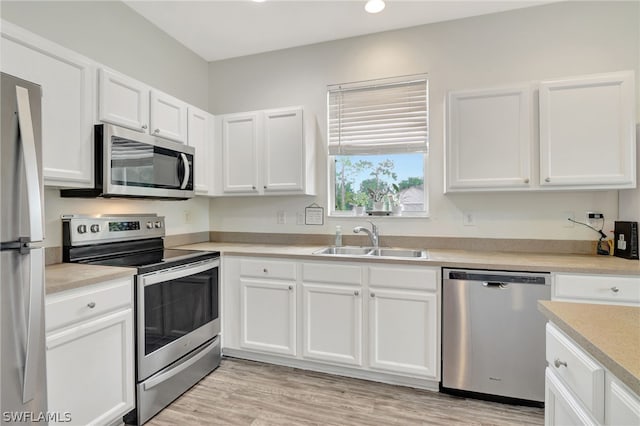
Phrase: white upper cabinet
pixel 267 152
pixel 67 81
pixel 199 131
pixel 489 139
pixel 283 150
pixel 587 131
pixel 580 137
pixel 168 117
pixel 127 102
pixel 239 153
pixel 123 101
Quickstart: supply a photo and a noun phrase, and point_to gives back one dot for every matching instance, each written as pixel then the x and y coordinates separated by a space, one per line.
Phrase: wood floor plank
pixel 251 393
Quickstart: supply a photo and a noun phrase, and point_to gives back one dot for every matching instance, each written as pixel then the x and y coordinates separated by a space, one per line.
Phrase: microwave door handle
pixel 187 170
pixel 34 196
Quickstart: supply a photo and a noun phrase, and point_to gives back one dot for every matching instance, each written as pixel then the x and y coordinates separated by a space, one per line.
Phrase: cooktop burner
pixel 151 261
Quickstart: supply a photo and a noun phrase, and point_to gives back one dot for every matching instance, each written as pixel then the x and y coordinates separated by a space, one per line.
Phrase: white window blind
pixel 383 116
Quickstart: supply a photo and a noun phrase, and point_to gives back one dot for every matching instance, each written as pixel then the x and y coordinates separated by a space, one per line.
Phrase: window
pixel 378 139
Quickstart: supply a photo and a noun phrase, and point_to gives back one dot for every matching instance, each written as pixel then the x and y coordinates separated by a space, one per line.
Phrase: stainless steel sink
pixel 345 251
pixel 399 252
pixel 374 252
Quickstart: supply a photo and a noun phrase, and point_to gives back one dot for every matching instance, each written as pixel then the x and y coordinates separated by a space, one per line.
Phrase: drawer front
pixel 583 376
pixel 334 273
pixel 74 306
pixel 420 278
pixel 598 288
pixel 268 269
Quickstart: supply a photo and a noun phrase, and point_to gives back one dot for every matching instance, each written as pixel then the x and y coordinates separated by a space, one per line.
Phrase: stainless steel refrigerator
pixel 23 398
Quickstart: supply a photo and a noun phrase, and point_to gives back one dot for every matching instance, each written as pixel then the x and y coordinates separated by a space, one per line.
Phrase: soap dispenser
pixel 338 242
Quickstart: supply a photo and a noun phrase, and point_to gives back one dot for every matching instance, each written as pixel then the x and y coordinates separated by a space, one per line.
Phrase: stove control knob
pixel 158 224
pixel 82 229
pixel 149 225
pixel 95 228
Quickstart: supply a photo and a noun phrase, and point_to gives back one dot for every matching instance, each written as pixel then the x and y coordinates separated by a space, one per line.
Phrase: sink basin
pixel 346 251
pixel 398 252
pixel 374 252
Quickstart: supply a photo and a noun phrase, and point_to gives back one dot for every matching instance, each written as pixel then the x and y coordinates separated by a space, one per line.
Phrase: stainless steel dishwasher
pixel 493 337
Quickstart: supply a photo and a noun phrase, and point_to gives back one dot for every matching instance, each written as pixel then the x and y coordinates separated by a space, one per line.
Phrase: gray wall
pixel 113 34
pixel 556 40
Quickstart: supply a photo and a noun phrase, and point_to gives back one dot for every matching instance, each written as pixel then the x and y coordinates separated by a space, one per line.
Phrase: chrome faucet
pixel 373 234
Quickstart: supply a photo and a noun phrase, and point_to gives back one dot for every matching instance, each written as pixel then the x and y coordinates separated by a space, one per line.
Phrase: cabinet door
pixel 239 153
pixel 283 150
pixel 67 81
pixel 123 101
pixel 268 316
pixel 489 139
pixel 90 369
pixel 587 131
pixel 403 332
pixel 200 139
pixel 622 407
pixel 332 323
pixel 168 117
pixel 560 407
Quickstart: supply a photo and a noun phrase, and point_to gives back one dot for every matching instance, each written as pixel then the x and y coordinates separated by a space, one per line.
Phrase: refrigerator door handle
pixel 34 195
pixel 35 336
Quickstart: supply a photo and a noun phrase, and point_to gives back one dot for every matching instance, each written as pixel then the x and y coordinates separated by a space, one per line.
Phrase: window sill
pixel 404 215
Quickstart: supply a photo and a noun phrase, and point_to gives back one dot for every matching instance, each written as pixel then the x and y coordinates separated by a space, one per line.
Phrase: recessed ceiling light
pixel 259 1
pixel 374 6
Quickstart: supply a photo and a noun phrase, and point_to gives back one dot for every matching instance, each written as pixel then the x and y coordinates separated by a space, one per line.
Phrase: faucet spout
pixel 373 234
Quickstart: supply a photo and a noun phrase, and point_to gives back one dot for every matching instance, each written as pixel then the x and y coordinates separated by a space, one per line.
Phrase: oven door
pixel 177 311
pixel 136 164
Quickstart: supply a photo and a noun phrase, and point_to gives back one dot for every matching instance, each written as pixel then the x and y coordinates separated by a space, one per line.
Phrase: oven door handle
pixel 155 381
pixel 178 272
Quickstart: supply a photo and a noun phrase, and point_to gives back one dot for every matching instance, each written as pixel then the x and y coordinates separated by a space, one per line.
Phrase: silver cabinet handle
pixel 526 181
pixel 253 187
pixel 144 126
pixel 91 305
pixel 356 293
pixel 373 295
pixel 265 270
pixel 156 131
pixel 547 179
pixel 265 187
pixel 615 289
pixel 290 287
pixel 559 363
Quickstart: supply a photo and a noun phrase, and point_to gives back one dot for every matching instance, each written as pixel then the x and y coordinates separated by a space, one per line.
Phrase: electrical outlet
pixel 187 217
pixel 281 217
pixel 299 218
pixel 468 219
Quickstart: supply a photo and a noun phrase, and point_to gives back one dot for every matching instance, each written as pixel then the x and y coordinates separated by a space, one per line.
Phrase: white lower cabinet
pixel 90 372
pixel 361 319
pixel 404 320
pixel 621 406
pixel 579 391
pixel 332 313
pixel 268 316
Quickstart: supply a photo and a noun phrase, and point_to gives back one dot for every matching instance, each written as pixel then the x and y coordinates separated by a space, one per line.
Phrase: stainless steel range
pixel 177 302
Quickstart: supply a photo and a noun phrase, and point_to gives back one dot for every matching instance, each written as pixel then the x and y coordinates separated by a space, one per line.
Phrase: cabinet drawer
pixel 403 277
pixel 582 375
pixel 268 269
pixel 333 272
pixel 76 305
pixel 598 288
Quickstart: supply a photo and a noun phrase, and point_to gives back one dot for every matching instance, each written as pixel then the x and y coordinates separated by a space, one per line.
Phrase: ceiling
pixel 225 29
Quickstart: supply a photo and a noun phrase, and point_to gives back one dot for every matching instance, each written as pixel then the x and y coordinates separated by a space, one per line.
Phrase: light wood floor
pixel 243 392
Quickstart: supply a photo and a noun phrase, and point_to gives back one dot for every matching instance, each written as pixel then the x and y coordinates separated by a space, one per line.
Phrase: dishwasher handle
pixel 495 284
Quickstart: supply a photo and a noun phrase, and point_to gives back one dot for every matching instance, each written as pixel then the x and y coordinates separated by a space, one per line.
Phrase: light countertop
pixel 66 276
pixel 609 333
pixel 534 262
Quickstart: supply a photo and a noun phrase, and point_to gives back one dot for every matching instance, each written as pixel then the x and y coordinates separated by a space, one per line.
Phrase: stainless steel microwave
pixel 137 165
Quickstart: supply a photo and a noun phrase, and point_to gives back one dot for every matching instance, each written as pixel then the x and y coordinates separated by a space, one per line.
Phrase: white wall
pixel 550 41
pixel 112 34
